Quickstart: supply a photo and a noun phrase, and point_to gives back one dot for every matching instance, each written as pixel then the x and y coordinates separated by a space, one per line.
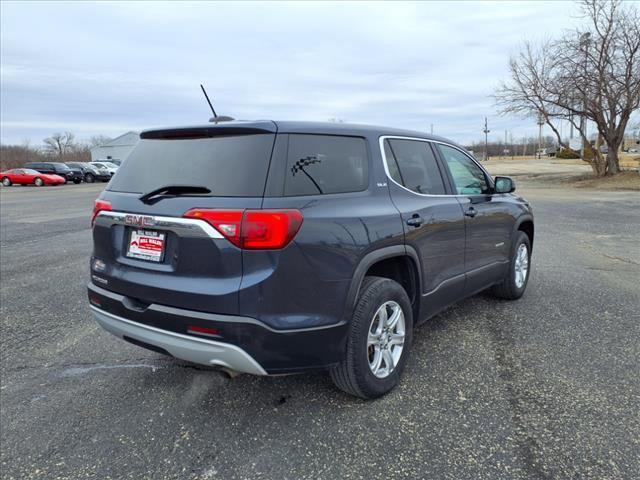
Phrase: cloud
pixel 104 68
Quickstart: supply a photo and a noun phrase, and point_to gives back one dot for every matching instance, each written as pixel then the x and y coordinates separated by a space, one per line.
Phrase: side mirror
pixel 504 185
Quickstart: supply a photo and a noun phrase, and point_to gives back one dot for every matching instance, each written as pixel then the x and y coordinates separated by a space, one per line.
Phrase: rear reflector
pixel 99 206
pixel 203 330
pixel 253 229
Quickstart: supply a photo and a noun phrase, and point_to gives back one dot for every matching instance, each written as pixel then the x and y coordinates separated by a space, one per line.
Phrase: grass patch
pixel 623 181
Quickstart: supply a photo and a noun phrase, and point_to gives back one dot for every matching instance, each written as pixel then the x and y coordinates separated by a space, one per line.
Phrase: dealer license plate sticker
pixel 146 245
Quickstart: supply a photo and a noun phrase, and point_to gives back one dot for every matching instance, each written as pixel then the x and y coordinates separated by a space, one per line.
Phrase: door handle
pixel 471 212
pixel 415 220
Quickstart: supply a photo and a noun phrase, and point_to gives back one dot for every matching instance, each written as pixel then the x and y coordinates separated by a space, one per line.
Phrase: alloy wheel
pixel 386 339
pixel 521 265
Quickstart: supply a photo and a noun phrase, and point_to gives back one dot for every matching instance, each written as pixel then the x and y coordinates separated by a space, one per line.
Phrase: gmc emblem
pixel 139 220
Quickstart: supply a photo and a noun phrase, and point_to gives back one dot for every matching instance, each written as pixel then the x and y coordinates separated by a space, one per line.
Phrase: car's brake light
pixel 99 206
pixel 269 229
pixel 227 222
pixel 253 229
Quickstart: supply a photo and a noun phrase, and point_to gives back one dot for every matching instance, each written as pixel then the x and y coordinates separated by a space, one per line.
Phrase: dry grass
pixel 623 181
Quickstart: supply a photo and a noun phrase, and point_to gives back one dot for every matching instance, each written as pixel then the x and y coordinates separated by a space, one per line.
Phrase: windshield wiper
pixel 173 191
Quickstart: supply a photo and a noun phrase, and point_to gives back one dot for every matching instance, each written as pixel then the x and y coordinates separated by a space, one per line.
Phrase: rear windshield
pixel 229 166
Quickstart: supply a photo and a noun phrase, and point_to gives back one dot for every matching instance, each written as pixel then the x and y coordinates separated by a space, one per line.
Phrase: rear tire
pixel 89 178
pixel 6 181
pixel 38 182
pixel 517 276
pixel 76 181
pixel 369 344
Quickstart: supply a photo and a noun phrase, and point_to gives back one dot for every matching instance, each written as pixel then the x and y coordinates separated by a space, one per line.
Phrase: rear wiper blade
pixel 173 191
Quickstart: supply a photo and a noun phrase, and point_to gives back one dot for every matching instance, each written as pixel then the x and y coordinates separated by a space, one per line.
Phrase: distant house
pixel 630 143
pixel 117 149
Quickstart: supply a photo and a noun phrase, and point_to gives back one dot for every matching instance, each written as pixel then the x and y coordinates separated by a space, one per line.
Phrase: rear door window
pixel 416 166
pixel 323 164
pixel 228 165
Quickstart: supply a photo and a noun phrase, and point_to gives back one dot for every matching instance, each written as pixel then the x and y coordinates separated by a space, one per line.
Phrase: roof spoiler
pixel 217 130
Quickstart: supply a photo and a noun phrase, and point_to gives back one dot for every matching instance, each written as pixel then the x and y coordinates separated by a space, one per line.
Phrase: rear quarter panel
pixel 306 284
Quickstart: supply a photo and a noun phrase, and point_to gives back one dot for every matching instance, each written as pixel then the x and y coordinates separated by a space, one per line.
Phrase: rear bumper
pixel 197 350
pixel 244 344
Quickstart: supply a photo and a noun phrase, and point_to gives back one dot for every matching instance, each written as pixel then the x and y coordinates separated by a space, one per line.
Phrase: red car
pixel 26 176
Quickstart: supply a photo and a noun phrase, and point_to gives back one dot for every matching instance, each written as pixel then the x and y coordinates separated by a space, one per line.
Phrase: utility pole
pixel 540 124
pixel 505 143
pixel 512 145
pixel 486 139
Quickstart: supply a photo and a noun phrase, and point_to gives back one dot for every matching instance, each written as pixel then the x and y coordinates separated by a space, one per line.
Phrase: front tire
pixel 517 276
pixel 76 181
pixel 6 181
pixel 379 340
pixel 38 182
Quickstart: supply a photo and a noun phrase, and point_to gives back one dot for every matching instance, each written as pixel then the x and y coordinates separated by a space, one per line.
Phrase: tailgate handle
pixel 135 304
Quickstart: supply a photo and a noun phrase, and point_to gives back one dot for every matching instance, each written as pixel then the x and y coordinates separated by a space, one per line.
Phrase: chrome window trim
pixel 399 137
pixel 189 227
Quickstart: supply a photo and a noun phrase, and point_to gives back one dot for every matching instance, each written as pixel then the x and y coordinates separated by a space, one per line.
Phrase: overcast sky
pixel 105 68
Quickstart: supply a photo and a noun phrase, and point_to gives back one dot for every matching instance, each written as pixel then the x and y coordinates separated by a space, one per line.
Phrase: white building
pixel 117 149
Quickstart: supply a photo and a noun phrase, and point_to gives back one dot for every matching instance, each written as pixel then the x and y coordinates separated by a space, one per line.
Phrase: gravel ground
pixel 544 387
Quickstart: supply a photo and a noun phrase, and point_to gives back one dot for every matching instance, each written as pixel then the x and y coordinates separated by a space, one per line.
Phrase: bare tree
pixel 97 140
pixel 591 74
pixel 59 144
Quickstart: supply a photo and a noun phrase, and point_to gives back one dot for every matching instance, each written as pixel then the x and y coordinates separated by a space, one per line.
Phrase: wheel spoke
pixel 377 360
pixel 382 319
pixel 397 339
pixel 393 319
pixel 388 360
pixel 373 338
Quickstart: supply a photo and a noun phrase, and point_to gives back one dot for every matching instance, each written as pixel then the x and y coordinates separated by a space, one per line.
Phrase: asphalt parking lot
pixel 545 387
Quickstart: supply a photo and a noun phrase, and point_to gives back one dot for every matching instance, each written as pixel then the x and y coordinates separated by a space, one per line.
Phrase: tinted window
pixel 61 167
pixel 320 164
pixel 229 166
pixel 417 166
pixel 468 177
pixel 392 165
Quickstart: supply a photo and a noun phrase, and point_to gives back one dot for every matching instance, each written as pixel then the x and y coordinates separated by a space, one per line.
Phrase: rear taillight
pixel 252 229
pixel 99 206
pixel 269 229
pixel 227 222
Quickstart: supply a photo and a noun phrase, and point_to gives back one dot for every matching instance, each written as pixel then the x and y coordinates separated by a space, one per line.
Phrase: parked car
pixel 273 248
pixel 114 161
pixel 90 172
pixel 74 175
pixel 109 167
pixel 27 176
pixel 105 173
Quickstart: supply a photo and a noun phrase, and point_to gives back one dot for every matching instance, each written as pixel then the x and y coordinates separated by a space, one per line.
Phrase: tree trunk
pixel 613 144
pixel 613 162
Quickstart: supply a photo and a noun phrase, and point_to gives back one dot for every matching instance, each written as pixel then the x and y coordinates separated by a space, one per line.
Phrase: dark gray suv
pixel 278 247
